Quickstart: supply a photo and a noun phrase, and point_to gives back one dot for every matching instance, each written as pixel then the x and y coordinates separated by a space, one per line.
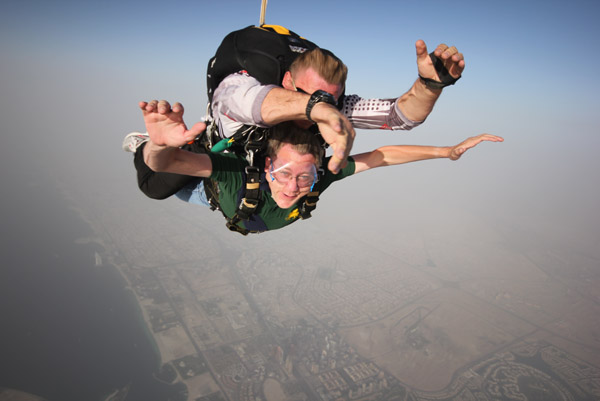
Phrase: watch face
pixel 322 96
pixel 318 97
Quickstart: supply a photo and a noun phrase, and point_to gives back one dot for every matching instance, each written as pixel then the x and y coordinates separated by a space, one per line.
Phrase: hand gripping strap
pixel 443 73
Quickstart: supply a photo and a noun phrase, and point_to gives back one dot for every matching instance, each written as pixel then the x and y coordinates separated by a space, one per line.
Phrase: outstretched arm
pixel 418 101
pixel 167 133
pixel 399 154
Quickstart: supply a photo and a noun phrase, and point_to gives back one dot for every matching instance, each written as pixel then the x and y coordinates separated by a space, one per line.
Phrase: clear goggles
pixel 283 175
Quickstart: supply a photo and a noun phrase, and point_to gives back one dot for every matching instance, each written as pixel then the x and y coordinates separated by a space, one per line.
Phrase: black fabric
pixel 308 205
pixel 445 78
pixel 263 53
pixel 211 189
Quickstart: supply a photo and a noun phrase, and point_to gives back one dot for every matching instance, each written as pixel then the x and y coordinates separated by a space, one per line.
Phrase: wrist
pixel 446 152
pixel 153 147
pixel 319 96
pixel 425 88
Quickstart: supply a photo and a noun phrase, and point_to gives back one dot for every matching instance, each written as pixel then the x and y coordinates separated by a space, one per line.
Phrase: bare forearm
pixel 174 160
pixel 398 154
pixel 418 101
pixel 284 105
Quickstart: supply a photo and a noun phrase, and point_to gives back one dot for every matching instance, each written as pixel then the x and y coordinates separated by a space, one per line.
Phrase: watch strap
pixel 318 97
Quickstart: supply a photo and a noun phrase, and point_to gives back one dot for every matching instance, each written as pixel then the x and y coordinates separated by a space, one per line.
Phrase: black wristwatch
pixel 318 97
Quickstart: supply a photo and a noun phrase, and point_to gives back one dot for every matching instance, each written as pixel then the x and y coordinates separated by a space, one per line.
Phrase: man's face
pixel 309 81
pixel 287 175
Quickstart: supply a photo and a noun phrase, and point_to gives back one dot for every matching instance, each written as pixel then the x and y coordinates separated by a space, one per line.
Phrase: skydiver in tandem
pixel 307 85
pixel 286 185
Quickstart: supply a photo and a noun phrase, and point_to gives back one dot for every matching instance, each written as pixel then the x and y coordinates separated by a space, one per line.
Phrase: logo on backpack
pixel 298 49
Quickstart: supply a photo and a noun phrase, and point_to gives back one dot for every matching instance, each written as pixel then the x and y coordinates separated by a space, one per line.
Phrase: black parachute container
pixel 265 52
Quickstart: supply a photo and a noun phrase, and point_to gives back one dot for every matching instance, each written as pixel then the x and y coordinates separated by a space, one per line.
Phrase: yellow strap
pixel 248 205
pixel 278 29
pixel 251 185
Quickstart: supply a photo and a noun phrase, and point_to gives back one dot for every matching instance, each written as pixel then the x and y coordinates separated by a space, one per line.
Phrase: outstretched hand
pixel 458 150
pixel 450 56
pixel 165 124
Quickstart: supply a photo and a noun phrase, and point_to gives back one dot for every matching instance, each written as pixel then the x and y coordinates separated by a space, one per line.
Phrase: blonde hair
pixel 325 63
pixel 302 140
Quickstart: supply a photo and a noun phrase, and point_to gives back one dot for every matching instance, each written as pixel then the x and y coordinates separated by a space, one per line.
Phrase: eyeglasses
pixel 302 180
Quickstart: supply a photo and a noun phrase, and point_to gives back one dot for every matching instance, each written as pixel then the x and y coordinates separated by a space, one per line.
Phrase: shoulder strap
pixel 249 202
pixel 310 200
pixel 251 143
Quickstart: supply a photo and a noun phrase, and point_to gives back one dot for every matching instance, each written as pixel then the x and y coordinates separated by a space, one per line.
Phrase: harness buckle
pixel 253 173
pixel 246 208
pixel 255 142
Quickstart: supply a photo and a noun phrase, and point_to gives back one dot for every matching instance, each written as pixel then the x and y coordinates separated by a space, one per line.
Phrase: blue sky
pixel 73 72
